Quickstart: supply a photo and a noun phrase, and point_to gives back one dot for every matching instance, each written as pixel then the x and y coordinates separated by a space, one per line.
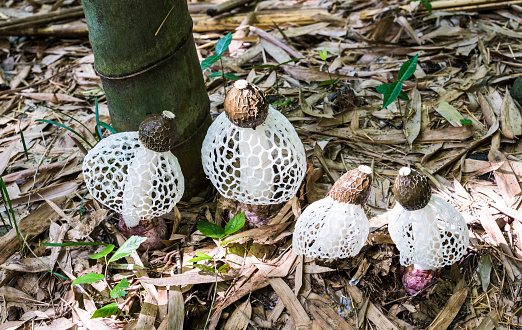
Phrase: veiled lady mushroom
pixel 251 152
pixel 135 174
pixel 426 229
pixel 336 227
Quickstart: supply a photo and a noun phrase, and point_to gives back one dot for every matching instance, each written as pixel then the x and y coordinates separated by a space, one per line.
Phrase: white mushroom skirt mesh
pixel 329 229
pixel 432 237
pixel 128 178
pixel 258 166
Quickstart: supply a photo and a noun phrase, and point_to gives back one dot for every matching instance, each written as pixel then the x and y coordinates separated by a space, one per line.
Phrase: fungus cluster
pixel 135 174
pixel 336 226
pixel 251 152
pixel 426 229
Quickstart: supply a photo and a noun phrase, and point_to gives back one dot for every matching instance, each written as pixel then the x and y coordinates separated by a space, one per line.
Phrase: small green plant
pixel 324 55
pixel 214 231
pixel 425 3
pixel 221 47
pixel 275 68
pixel 394 90
pixel 119 290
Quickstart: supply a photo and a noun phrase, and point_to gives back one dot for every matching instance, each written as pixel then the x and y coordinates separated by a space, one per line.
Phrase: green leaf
pixel 108 249
pixel 107 126
pixel 223 268
pixel 286 102
pixel 210 229
pixel 404 96
pixel 392 93
pixel 209 61
pixel 215 74
pixel 485 271
pixel 128 247
pixel 328 82
pixel 67 128
pixel 236 223
pixel 381 89
pixel 323 54
pixel 205 268
pixel 427 5
pixel 407 69
pixel 231 76
pixel 88 278
pixel 466 122
pixel 119 289
pixel 201 257
pixel 105 311
pixel 236 238
pixel 223 44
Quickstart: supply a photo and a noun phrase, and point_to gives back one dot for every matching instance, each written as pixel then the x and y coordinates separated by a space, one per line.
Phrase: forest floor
pixel 462 128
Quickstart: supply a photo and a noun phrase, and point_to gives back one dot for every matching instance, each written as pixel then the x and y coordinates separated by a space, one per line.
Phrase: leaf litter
pixel 461 127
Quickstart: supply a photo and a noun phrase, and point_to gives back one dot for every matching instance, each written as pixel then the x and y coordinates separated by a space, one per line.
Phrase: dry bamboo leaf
pixel 448 313
pixel 240 317
pixel 176 309
pixel 192 277
pixel 510 118
pixel 293 305
pixel 450 113
pixel 50 192
pixel 412 126
pixel 88 224
pixel 508 182
pixel 148 312
pixel 28 265
pixel 91 324
pixel 327 317
pixel 51 97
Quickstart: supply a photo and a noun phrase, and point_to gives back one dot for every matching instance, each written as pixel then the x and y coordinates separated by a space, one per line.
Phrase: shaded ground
pixel 468 61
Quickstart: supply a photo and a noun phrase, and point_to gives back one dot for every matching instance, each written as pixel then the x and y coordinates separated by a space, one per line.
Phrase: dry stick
pixel 42 19
pixel 268 37
pixel 467 6
pixel 226 7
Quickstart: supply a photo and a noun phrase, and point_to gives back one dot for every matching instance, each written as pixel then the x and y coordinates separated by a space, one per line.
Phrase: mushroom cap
pixel 262 166
pixel 329 229
pixel 432 237
pixel 128 178
pixel 354 187
pixel 412 189
pixel 158 131
pixel 246 105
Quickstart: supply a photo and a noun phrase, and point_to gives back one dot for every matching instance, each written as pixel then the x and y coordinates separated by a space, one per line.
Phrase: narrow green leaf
pixel 98 128
pixel 231 76
pixel 105 311
pixel 196 259
pixel 72 118
pixel 88 278
pixel 23 139
pixel 67 128
pixel 327 82
pixel 407 69
pixel 107 126
pixel 236 238
pixel 9 210
pixel 223 268
pixel 392 93
pixel 119 289
pixel 128 247
pixel 210 229
pixel 206 63
pixel 466 122
pixel 59 275
pixel 403 95
pixel 485 271
pixel 204 267
pixel 237 222
pixel 381 89
pixel 215 74
pixel 108 249
pixel 323 54
pixel 223 44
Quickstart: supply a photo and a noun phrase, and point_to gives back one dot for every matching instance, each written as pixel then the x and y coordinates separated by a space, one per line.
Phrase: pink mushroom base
pixel 154 229
pixel 415 280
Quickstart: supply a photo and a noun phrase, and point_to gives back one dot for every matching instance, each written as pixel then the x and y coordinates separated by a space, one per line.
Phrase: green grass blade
pixel 98 128
pixel 67 128
pixel 74 244
pixel 69 116
pixel 10 212
pixel 107 126
pixel 23 139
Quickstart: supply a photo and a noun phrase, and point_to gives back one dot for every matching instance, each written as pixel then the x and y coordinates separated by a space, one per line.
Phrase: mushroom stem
pixel 154 229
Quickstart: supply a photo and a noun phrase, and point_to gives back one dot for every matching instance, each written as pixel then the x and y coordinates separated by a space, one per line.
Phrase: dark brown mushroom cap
pixel 158 131
pixel 246 105
pixel 353 187
pixel 412 189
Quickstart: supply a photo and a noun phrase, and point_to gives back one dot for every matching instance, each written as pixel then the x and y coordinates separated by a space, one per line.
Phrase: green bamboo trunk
pixel 143 72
